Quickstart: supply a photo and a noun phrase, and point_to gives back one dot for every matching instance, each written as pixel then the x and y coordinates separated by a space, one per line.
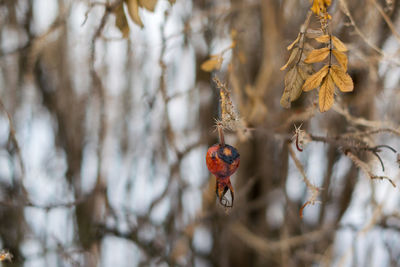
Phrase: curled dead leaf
pixel 342 80
pixel 326 93
pixel 315 80
pixel 312 33
pixel 317 55
pixel 308 48
pixel 294 80
pixel 294 57
pixel 305 71
pixel 293 83
pixel 294 42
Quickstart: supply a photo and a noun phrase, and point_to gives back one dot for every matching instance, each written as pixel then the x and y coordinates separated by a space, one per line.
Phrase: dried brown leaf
pixel 294 42
pixel 133 10
pixel 294 57
pixel 214 63
pixel 312 33
pixel 315 80
pixel 342 80
pixel 308 48
pixel 305 71
pixel 326 94
pixel 293 83
pixel 341 58
pixel 150 5
pixel 317 55
pixel 120 21
pixel 323 38
pixel 338 44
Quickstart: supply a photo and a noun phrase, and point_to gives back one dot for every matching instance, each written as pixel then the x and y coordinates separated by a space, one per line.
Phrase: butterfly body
pixel 223 161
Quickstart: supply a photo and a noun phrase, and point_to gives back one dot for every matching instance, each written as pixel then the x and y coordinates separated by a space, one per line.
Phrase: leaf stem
pixel 330 52
pixel 221 136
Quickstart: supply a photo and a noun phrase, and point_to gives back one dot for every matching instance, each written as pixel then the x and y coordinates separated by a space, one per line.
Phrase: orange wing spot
pixel 5 255
pixel 227 152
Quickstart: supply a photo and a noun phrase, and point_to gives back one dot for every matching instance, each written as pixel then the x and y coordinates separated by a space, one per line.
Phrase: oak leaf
pixel 315 80
pixel 326 93
pixel 133 10
pixel 317 55
pixel 342 80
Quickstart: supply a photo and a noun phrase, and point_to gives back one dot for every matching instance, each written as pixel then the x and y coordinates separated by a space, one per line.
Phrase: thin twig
pixel 314 189
pixel 366 169
pixel 13 138
pixel 388 126
pixel 221 136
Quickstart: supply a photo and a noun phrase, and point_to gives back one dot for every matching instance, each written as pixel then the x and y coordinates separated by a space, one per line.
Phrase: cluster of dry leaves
pixel 132 7
pixel 301 76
